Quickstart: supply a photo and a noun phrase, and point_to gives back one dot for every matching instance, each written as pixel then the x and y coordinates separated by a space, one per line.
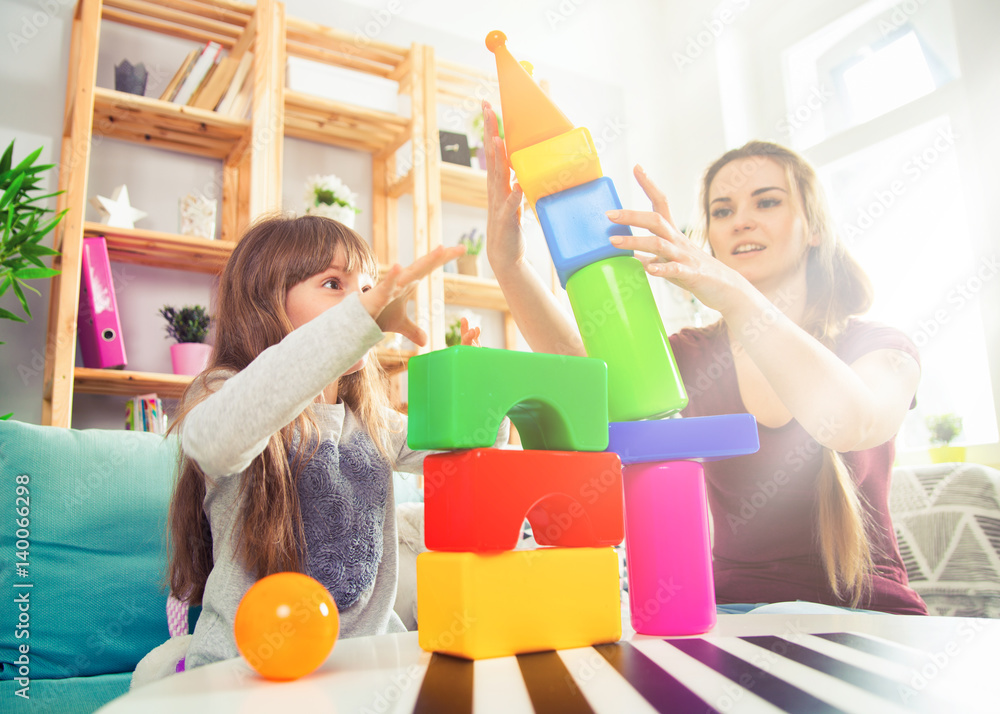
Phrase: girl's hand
pixel 675 257
pixel 504 242
pixel 386 302
pixel 470 335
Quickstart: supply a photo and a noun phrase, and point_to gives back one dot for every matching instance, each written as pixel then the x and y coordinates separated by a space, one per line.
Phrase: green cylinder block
pixel 620 324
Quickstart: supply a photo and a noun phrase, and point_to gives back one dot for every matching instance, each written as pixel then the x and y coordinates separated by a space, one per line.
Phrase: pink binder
pixel 98 325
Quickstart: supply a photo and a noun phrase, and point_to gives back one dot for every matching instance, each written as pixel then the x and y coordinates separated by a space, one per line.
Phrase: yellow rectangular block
pixel 556 164
pixel 478 606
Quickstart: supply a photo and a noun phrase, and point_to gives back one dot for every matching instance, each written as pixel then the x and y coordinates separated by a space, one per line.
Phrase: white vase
pixel 341 214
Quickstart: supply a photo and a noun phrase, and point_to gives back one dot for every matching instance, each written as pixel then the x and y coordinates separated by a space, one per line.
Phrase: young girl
pixel 829 391
pixel 289 440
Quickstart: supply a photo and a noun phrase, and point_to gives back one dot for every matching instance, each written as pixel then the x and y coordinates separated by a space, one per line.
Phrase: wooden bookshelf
pixel 252 168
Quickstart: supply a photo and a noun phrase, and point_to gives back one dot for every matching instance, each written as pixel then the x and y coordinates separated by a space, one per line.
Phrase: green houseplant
pixel 454 334
pixel 943 429
pixel 468 264
pixel 24 225
pixel 189 327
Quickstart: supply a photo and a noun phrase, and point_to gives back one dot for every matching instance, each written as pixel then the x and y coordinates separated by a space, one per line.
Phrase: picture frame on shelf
pixel 455 148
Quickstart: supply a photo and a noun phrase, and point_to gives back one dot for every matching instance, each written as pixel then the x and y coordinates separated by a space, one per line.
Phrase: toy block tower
pixel 557 166
pixel 671 586
pixel 477 596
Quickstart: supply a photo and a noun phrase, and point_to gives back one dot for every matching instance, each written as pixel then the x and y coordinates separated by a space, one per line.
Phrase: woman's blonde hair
pixel 837 289
pixel 274 254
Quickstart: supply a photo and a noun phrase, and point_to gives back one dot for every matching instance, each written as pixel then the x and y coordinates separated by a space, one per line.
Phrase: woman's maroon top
pixel 764 505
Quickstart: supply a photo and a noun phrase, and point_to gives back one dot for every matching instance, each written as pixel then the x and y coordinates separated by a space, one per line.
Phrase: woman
pixel 806 518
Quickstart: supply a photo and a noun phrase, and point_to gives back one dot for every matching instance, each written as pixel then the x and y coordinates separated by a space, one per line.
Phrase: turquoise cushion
pixel 79 695
pixel 96 548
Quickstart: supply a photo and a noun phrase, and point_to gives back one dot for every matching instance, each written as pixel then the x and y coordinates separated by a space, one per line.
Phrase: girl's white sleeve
pixel 231 427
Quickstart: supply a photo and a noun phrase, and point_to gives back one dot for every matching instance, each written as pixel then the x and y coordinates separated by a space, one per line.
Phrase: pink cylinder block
pixel 669 556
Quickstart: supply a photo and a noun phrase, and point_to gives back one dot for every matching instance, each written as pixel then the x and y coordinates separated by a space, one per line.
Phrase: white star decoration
pixel 116 211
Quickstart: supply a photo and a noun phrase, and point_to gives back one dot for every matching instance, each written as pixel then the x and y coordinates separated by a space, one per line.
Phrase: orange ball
pixel 286 625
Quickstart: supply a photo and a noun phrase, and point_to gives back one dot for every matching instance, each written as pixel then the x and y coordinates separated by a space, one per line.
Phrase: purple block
pixel 708 438
pixel 575 227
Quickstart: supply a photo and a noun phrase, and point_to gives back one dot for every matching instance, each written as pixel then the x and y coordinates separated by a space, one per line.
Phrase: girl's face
pixel 317 293
pixel 756 225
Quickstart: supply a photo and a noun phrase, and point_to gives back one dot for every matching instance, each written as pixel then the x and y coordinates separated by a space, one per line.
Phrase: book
pixel 239 79
pixel 209 55
pixel 214 86
pixel 99 326
pixel 241 105
pixel 179 75
pixel 144 412
pixel 204 83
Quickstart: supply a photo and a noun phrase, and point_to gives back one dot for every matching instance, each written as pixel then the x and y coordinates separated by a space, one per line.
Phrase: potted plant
pixel 22 230
pixel 454 334
pixel 468 264
pixel 189 327
pixel 943 429
pixel 328 196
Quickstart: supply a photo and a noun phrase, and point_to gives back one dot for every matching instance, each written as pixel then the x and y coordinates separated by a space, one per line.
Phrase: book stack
pixel 145 413
pixel 210 79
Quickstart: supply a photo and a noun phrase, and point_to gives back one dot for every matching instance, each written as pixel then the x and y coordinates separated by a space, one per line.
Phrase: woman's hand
pixel 504 242
pixel 470 335
pixel 675 257
pixel 386 302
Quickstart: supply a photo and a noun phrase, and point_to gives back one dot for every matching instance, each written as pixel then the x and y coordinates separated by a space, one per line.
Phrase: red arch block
pixel 476 500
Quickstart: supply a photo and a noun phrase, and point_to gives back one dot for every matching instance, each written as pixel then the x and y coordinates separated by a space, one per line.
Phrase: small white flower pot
pixel 338 213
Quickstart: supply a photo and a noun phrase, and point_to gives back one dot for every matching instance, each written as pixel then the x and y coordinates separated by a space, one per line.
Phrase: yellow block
pixel 556 164
pixel 477 606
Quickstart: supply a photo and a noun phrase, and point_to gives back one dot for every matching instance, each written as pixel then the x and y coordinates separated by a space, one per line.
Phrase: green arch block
pixel 459 396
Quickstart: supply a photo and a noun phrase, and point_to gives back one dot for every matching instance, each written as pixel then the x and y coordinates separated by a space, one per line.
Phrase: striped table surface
pixel 748 663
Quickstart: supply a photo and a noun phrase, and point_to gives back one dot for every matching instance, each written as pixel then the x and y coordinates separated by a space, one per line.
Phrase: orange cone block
pixel 529 116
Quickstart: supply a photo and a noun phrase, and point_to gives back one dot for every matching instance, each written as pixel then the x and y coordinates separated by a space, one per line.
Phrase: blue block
pixel 576 229
pixel 708 438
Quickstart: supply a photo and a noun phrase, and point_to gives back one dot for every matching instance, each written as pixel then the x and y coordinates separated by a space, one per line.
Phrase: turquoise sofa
pixel 84 597
pixel 94 569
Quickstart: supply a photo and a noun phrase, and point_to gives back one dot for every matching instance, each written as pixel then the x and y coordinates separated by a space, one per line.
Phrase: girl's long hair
pixel 274 254
pixel 837 289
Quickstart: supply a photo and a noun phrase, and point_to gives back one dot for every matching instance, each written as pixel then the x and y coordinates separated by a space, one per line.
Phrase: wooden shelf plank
pixel 463 184
pixel 123 382
pixel 162 250
pixel 342 124
pixel 177 127
pixel 473 292
pixel 127 383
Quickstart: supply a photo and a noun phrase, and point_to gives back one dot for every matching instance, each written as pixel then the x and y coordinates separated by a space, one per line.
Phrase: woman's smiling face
pixel 756 224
